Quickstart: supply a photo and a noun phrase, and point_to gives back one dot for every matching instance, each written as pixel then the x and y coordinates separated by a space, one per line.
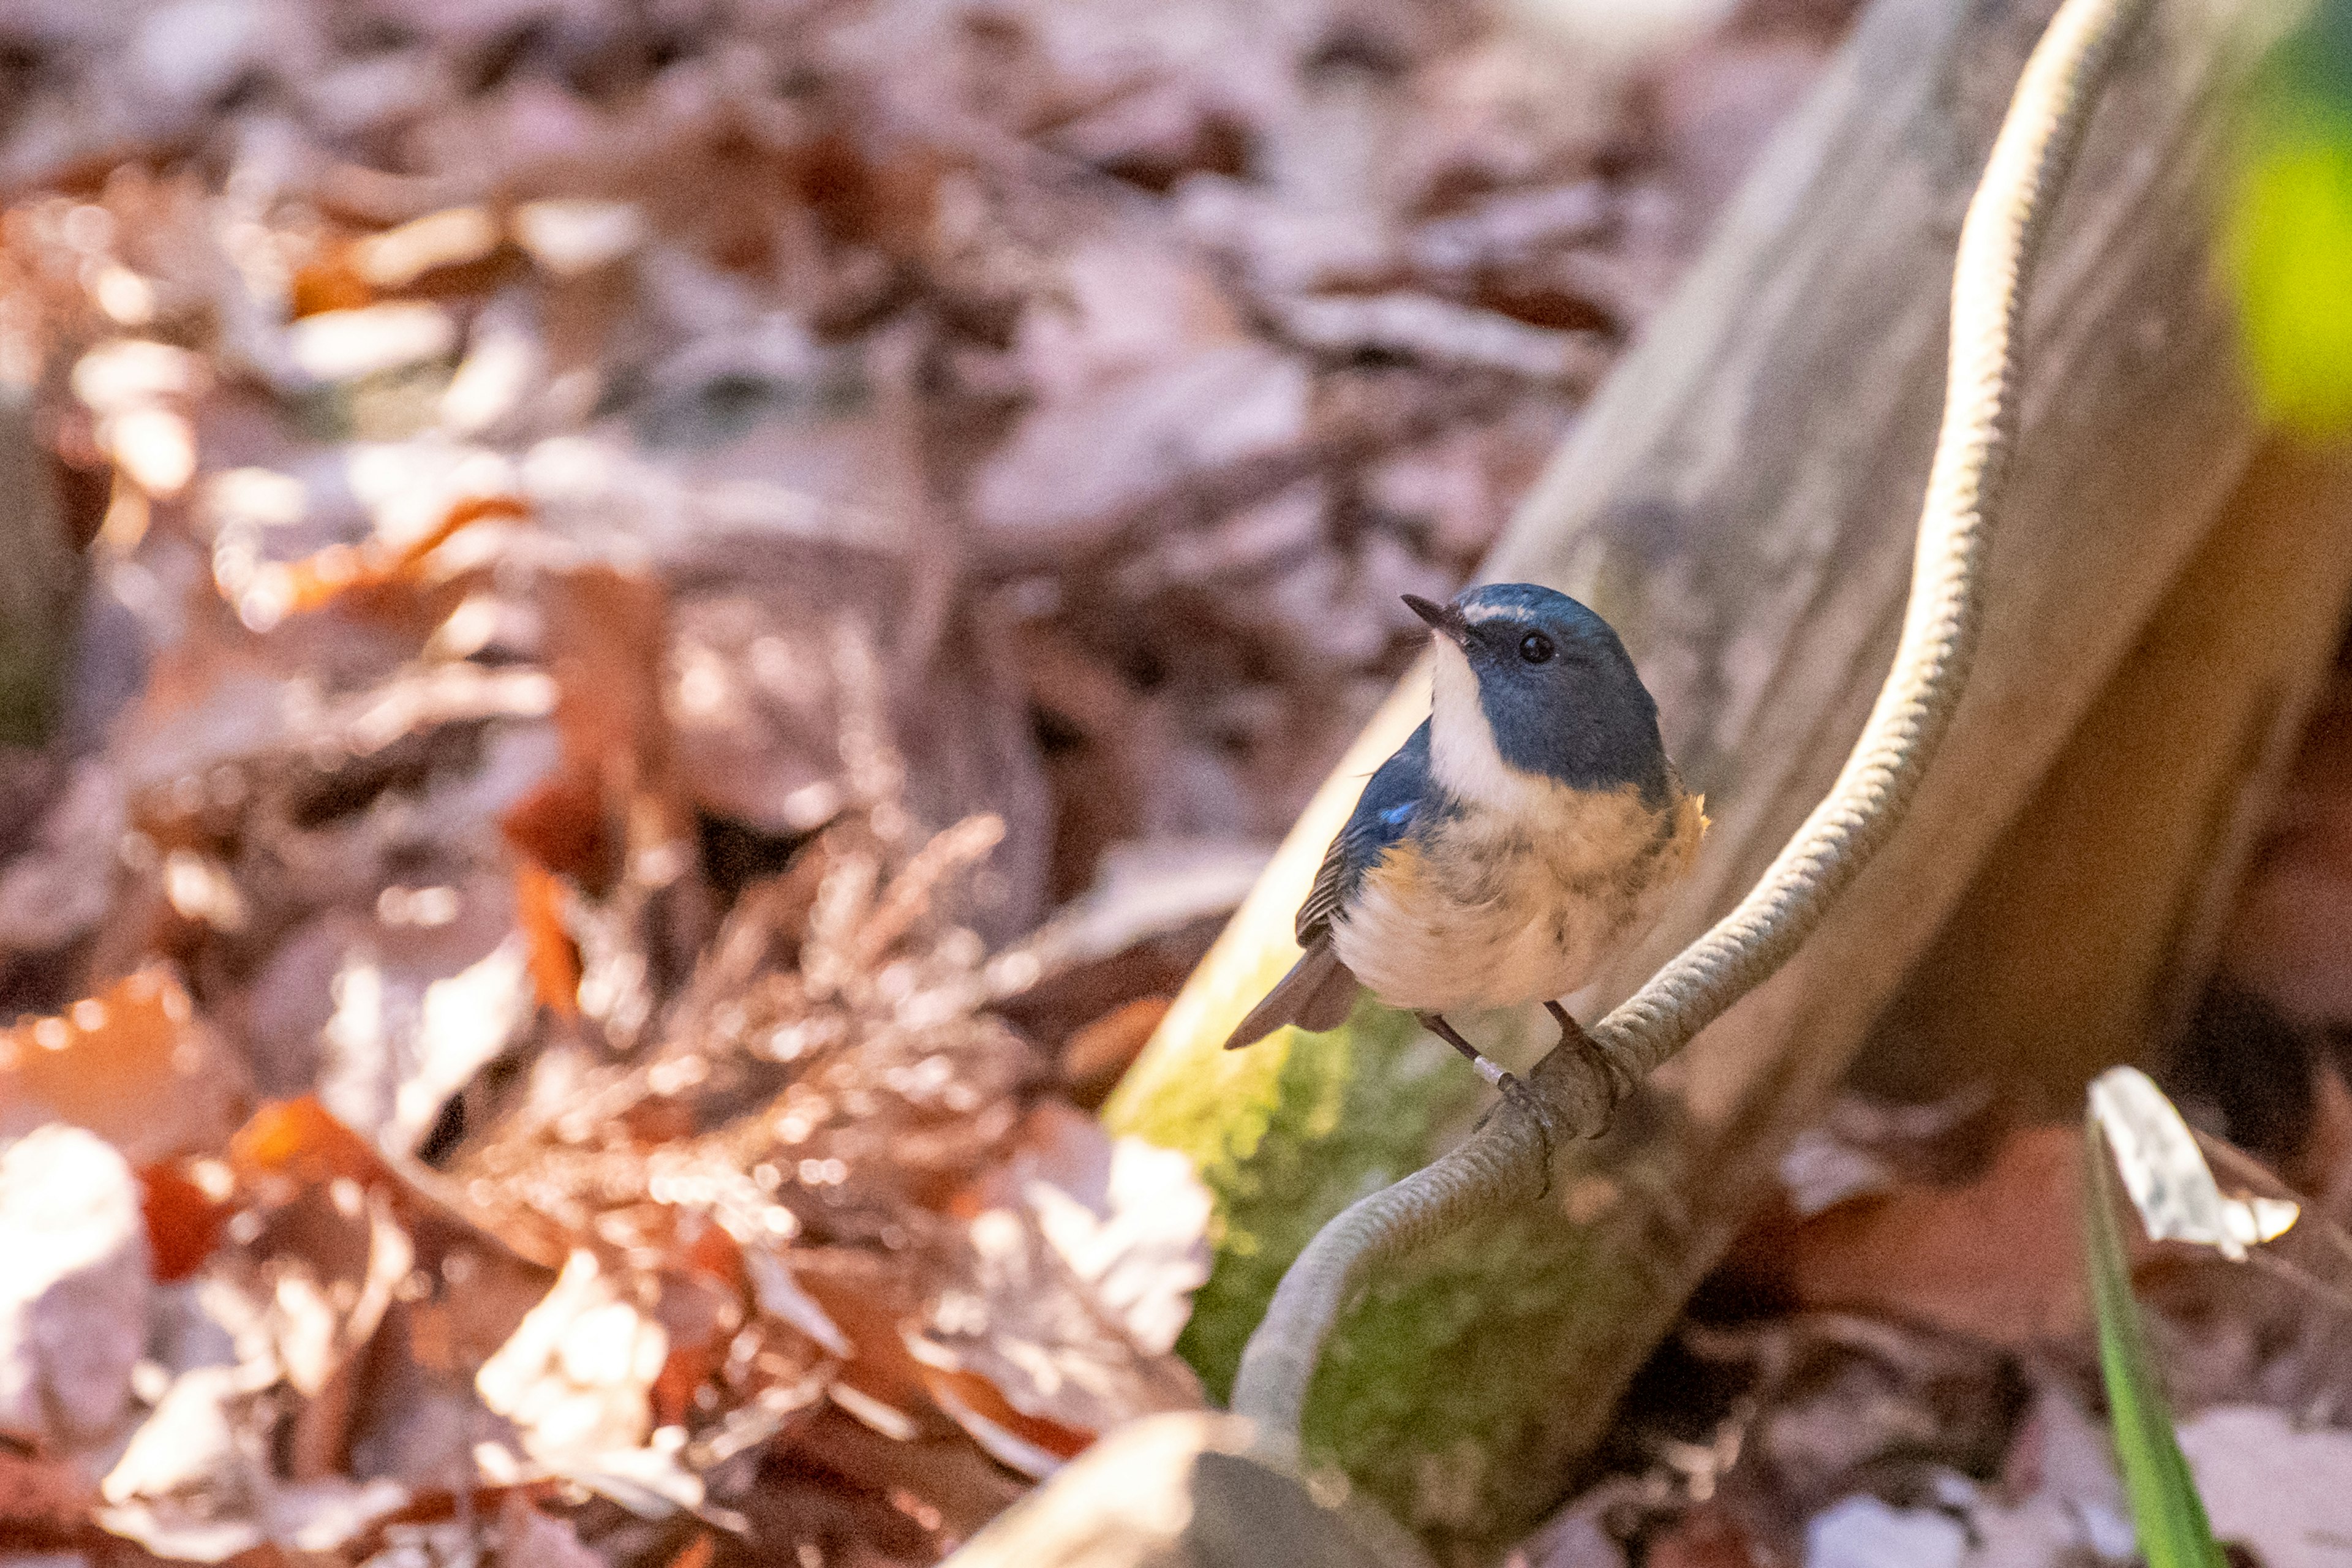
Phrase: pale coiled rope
pixel 1505 1162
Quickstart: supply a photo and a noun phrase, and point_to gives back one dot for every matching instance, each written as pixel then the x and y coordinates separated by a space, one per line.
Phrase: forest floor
pixel 695 613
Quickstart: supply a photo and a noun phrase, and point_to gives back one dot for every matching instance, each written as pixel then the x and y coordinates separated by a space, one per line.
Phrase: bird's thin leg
pixel 1511 1087
pixel 1613 1075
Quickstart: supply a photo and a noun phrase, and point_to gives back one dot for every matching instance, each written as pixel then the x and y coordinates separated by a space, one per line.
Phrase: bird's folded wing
pixel 1318 994
pixel 1398 793
pixel 1334 880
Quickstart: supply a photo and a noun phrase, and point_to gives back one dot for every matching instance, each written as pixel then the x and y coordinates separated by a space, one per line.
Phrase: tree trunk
pixel 1739 501
pixel 2087 934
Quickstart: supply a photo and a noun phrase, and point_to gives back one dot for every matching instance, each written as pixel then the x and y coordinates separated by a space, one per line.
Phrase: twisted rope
pixel 1506 1163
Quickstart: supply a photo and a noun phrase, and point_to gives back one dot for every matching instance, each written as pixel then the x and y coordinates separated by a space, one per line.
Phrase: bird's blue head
pixel 1556 691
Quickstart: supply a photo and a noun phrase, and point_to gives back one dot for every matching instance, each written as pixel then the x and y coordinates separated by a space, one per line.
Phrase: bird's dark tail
pixel 1318 994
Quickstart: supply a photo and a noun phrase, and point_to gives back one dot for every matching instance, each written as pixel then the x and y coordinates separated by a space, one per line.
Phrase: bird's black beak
pixel 1443 619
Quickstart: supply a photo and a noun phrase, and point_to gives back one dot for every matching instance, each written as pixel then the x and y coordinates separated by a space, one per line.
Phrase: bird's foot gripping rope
pixel 1508 1159
pixel 1616 1079
pixel 1510 1085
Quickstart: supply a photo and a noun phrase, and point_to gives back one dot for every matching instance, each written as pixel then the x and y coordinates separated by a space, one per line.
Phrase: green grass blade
pixel 2166 1509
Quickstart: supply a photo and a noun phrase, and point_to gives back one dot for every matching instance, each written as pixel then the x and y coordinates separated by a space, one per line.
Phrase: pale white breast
pixel 1498 907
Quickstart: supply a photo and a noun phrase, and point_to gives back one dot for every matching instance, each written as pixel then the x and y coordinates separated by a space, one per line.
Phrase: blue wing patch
pixel 1393 801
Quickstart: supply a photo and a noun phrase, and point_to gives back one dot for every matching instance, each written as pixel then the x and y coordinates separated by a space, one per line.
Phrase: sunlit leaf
pixel 131 1063
pixel 2170 1517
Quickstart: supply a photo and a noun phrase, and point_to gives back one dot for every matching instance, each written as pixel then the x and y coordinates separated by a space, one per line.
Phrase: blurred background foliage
pixel 2291 227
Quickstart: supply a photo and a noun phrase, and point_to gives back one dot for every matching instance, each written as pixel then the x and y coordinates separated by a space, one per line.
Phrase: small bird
pixel 1528 832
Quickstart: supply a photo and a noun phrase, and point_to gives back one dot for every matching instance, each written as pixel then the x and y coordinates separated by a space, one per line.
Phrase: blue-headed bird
pixel 1526 834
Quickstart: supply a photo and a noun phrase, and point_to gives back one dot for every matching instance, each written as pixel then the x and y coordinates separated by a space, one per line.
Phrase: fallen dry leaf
pixel 1999 1258
pixel 343 574
pixel 644 557
pixel 105 1064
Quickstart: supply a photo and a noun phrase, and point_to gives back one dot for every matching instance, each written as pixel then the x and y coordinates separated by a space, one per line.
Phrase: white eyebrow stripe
pixel 1479 613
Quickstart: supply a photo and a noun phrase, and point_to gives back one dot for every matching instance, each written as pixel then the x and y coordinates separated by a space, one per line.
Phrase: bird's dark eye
pixel 1535 649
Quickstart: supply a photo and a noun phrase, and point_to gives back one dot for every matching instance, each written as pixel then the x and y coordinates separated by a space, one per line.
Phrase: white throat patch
pixel 1462 751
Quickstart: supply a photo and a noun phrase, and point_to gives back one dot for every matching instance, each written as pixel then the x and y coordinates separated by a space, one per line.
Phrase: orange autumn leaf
pixel 301 1141
pixel 616 801
pixel 331 283
pixel 972 1400
pixel 685 1370
pixel 560 826
pixel 553 956
pixel 618 788
pixel 319 579
pixel 708 1250
pixel 184 1224
pixel 132 1064
pixel 450 253
pixel 703 1292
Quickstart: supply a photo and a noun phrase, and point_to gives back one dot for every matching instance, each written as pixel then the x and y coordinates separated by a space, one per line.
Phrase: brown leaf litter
pixel 693 611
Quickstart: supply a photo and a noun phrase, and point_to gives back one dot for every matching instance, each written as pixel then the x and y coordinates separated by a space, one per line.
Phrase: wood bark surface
pixel 1740 501
pixel 2087 932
